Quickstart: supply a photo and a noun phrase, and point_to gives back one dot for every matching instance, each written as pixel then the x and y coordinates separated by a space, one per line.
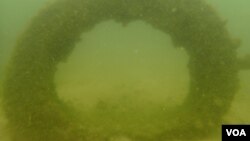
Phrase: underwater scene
pixel 123 70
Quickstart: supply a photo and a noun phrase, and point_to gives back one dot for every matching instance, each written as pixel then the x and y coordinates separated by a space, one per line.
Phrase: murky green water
pixel 123 81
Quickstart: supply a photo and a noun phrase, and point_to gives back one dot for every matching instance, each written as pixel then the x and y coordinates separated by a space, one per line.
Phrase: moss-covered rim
pixel 35 112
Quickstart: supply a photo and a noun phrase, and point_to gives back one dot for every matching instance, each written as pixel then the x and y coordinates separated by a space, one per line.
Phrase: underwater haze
pixel 124 80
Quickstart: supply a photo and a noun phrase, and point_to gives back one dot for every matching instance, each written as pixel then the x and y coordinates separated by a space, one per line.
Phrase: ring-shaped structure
pixel 35 112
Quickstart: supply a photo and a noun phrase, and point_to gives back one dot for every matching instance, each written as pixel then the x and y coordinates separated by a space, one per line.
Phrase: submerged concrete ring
pixel 32 106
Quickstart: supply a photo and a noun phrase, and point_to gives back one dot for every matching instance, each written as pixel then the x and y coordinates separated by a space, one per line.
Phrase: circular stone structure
pixel 33 108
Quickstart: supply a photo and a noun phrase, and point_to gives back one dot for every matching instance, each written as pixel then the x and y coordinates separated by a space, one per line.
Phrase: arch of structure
pixel 35 112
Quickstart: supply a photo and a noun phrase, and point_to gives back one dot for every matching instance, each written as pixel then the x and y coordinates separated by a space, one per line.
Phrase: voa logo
pixel 236 132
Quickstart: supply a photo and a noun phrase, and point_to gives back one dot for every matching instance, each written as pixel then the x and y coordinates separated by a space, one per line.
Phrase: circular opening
pixel 127 75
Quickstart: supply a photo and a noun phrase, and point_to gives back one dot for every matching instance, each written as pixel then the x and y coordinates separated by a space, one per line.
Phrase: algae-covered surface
pixel 134 76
